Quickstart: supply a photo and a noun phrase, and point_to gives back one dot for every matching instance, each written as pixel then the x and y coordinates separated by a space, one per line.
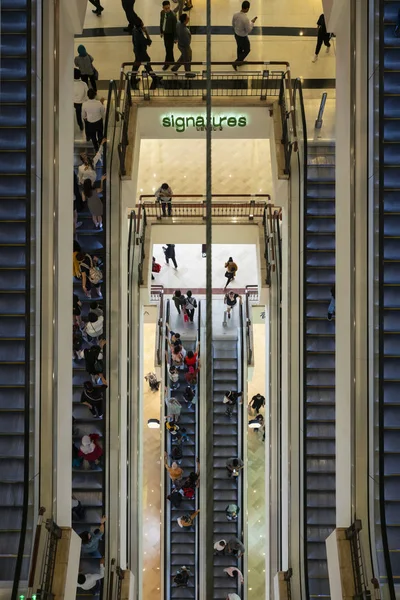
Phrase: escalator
pixel 389 299
pixel 15 288
pixel 319 365
pixel 87 484
pixel 227 444
pixel 182 544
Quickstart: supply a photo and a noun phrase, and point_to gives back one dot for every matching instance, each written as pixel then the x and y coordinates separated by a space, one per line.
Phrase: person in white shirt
pixel 80 95
pixel 242 26
pixel 91 581
pixel 93 112
pixel 94 327
pixel 87 170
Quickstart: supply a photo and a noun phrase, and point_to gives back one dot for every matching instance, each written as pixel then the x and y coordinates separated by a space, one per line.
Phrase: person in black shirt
pixel 230 399
pixel 257 402
pixel 231 301
pixel 141 40
pixel 168 32
pixel 323 37
pixel 92 397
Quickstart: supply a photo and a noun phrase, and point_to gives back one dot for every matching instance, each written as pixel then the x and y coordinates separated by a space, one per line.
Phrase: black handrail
pixel 302 168
pixel 30 153
pixel 167 484
pixel 242 419
pixel 130 321
pixel 381 314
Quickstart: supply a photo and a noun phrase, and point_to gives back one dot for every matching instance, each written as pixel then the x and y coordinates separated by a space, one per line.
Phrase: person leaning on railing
pixel 163 195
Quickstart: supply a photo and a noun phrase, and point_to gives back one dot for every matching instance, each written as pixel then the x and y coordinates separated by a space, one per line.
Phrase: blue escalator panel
pixel 319 366
pixel 389 397
pixel 14 276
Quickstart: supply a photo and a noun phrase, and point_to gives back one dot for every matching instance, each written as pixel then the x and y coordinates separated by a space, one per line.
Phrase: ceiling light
pixel 153 424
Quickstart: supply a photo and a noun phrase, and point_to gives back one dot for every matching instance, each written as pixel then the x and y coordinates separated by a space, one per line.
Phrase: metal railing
pixel 269 250
pixel 157 295
pixel 125 113
pixel 141 223
pixel 362 591
pixel 41 572
pixel 250 292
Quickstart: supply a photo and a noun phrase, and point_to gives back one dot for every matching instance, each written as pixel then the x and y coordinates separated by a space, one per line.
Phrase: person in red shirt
pixel 90 449
pixel 191 357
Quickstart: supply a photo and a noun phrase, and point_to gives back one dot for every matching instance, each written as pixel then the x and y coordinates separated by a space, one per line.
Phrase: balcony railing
pixel 235 207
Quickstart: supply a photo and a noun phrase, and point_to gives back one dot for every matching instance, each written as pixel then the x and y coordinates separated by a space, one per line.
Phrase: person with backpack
pixel 174 408
pixel 231 270
pixel 92 397
pixel 94 327
pixel 94 362
pixel 181 578
pixel 190 305
pixel 92 276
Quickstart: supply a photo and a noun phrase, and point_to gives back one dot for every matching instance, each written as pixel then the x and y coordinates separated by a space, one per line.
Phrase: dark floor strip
pixel 201 30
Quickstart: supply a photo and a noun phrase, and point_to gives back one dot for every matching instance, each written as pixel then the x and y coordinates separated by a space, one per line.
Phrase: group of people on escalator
pixel 88 351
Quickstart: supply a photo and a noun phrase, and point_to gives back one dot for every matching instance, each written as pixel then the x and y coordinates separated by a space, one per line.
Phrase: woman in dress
pixel 95 204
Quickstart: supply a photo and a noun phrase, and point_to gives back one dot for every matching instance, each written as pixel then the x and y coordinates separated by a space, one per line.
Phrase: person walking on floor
pixel 191 305
pixel 231 270
pixel 184 40
pixel 257 402
pixel 242 26
pixel 93 112
pixel 84 62
pixel 169 253
pixel 131 16
pixel 80 96
pixel 141 40
pixel 99 7
pixel 322 38
pixel 168 33
pixel 163 196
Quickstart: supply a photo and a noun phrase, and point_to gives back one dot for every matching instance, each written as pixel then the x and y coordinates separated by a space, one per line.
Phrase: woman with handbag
pixel 84 62
pixel 94 203
pixel 141 40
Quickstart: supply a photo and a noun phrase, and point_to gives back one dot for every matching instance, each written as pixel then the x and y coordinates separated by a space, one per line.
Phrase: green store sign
pixel 182 122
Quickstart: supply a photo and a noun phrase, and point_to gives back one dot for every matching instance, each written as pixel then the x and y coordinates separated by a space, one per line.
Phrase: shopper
pixel 95 308
pixel 131 16
pixel 91 273
pixel 91 581
pixel 94 327
pixel 219 547
pixel 184 40
pixel 95 204
pixel 230 399
pixel 141 40
pixel 93 112
pixel 193 480
pixel 87 170
pixel 191 357
pixel 235 546
pixel 175 472
pixel 257 402
pixel 182 577
pixel 175 336
pixel 80 96
pixel 234 572
pixel 175 497
pixel 242 26
pixel 188 5
pixel 173 410
pixel 94 362
pixel 332 303
pixel 188 395
pixel 177 356
pixel 90 450
pixel 163 196
pixel 99 8
pixel 231 270
pixel 173 375
pixel 232 512
pixel 322 38
pixel 77 511
pixel 231 301
pixel 179 300
pixel 84 62
pixel 169 253
pixel 232 597
pixel 92 397
pixel 76 310
pixel 92 539
pixel 190 305
pixel 168 33
pixel 186 521
pixel 234 466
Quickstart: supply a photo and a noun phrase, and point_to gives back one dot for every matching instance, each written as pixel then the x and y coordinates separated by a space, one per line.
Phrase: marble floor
pixel 151 577
pixel 239 166
pixel 290 35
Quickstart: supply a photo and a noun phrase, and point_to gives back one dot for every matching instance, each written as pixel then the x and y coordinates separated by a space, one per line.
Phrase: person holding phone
pixel 242 26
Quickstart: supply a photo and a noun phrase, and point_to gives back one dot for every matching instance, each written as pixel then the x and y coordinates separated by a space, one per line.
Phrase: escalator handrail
pixel 197 451
pixel 241 435
pixel 381 313
pixel 167 484
pixel 298 93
